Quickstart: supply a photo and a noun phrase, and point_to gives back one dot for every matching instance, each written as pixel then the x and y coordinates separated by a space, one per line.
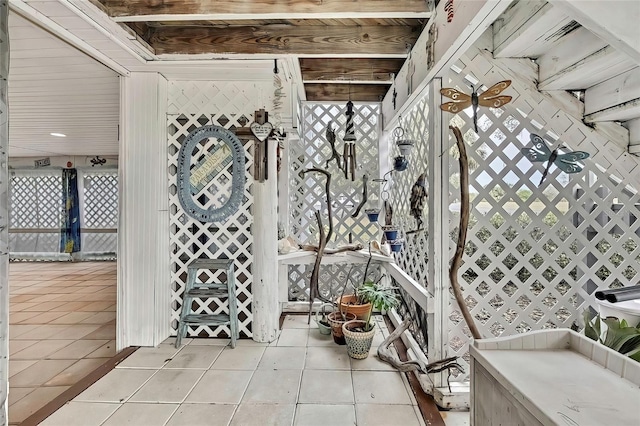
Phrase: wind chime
pixel 349 150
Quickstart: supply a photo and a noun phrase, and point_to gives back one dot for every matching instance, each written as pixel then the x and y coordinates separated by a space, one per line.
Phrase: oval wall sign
pixel 192 181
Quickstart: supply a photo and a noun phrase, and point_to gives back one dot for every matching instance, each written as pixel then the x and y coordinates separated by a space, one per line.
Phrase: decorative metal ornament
pixel 418 196
pixel 567 162
pixel 489 98
pixel 185 186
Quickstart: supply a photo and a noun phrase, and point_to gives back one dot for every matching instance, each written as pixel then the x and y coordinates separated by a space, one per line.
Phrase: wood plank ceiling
pixel 346 49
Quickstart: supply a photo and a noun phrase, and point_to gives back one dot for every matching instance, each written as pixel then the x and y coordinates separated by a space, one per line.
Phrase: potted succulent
pixel 359 333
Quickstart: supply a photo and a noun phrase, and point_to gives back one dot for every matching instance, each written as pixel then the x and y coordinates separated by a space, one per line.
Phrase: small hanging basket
pixel 396 245
pixel 372 214
pixel 390 232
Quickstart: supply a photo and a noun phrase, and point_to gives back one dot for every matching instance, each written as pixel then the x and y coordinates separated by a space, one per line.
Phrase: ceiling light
pixel 60 135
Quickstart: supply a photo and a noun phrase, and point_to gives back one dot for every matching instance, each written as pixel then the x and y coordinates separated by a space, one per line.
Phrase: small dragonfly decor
pixel 489 98
pixel 567 162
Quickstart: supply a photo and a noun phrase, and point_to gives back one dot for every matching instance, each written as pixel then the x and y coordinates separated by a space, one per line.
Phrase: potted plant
pixel 359 333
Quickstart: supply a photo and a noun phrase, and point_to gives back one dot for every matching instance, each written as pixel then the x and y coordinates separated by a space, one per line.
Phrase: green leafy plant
pixel 381 298
pixel 617 335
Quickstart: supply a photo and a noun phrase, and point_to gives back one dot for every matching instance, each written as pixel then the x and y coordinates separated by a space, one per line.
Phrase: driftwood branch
pixel 462 233
pixel 355 247
pixel 330 134
pixel 365 178
pixel 388 355
pixel 314 290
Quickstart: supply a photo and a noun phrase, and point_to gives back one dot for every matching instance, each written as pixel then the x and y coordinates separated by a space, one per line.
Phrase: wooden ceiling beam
pixel 335 92
pixel 393 41
pixel 346 70
pixel 189 10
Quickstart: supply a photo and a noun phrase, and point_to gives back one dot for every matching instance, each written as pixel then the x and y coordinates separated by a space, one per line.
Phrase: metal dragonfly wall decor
pixel 489 98
pixel 567 162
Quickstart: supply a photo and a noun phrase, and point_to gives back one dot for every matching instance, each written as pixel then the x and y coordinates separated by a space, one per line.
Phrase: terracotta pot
pixel 347 304
pixel 336 321
pixel 358 342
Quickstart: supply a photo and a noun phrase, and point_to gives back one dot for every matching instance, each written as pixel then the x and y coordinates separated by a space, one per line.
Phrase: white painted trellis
pixel 535 253
pixel 99 210
pixel 230 105
pixel 307 193
pixel 4 213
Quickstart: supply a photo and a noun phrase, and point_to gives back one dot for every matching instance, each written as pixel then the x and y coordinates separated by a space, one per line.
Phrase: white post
pixel 144 284
pixel 4 213
pixel 438 231
pixel 265 288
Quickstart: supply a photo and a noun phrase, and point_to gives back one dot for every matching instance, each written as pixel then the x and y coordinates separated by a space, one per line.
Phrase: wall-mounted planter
pixel 400 163
pixel 390 232
pixel 373 214
pixel 396 245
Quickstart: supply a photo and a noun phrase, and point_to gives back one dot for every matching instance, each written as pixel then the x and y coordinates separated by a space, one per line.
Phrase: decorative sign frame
pixel 184 177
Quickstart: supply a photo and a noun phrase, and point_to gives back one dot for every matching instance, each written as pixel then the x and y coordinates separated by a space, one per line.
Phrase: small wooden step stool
pixel 198 290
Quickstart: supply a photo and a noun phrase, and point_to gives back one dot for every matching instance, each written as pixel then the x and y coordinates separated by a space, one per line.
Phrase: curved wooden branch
pixel 314 290
pixel 365 178
pixel 388 356
pixel 327 189
pixel 355 247
pixel 462 233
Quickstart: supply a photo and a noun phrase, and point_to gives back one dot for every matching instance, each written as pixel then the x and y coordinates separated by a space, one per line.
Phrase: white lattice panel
pixel 414 256
pixel 231 105
pixel 535 253
pixel 307 193
pixel 100 198
pixel 36 199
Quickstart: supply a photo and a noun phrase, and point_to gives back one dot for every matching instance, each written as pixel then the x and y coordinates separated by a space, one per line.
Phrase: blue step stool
pixel 213 290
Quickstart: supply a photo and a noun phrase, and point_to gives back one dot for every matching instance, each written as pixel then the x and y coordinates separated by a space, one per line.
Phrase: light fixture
pixel 59 135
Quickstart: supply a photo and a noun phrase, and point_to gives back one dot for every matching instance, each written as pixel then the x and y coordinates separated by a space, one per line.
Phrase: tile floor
pixel 61 327
pixel 301 379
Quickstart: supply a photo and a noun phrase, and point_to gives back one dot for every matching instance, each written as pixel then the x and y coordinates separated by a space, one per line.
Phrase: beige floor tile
pixel 24 298
pixel 296 321
pixel 251 343
pixel 16 346
pixel 72 318
pixel 33 402
pixel 211 341
pixel 221 387
pixel 195 357
pixel 386 415
pixel 16 366
pixel 76 372
pixel 16 317
pixel 117 386
pixel 107 350
pixel 202 415
pixel 276 358
pixel 379 387
pixel 168 386
pixel 240 358
pixel 293 337
pixel 104 332
pixel 456 418
pixel 40 332
pixel 326 387
pixel 19 330
pixel 100 318
pixel 77 349
pixel 44 306
pixel 274 386
pixel 327 358
pixel 42 348
pixel 77 331
pixel 371 363
pixel 141 414
pixel 43 318
pixel 317 339
pixel 16 394
pixel 81 414
pixel 23 306
pixel 322 415
pixel 150 357
pixel 40 372
pixel 264 415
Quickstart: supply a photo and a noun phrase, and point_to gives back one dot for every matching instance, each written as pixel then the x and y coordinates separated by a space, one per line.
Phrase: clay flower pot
pixel 348 304
pixel 336 321
pixel 358 341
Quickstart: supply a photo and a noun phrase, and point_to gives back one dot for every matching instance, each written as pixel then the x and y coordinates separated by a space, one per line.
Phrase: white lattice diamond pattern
pixel 36 199
pixel 100 199
pixel 414 255
pixel 307 193
pixel 192 105
pixel 535 253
